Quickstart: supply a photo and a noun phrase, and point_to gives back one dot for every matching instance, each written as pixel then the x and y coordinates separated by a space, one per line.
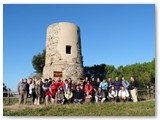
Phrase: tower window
pixel 68 49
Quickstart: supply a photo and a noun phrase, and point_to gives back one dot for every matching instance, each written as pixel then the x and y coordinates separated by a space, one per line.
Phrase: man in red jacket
pixel 59 83
pixel 50 96
pixel 53 87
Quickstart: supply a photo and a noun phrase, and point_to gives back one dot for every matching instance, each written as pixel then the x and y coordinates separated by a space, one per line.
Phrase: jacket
pixel 78 94
pixel 112 93
pixel 117 85
pixel 123 93
pixel 100 94
pixel 88 88
pixel 68 95
pixel 125 84
pixel 104 85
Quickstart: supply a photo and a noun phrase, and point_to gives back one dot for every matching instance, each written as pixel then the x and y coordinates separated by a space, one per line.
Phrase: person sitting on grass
pixel 88 97
pixel 112 94
pixel 68 95
pixel 59 98
pixel 123 94
pixel 100 96
pixel 78 95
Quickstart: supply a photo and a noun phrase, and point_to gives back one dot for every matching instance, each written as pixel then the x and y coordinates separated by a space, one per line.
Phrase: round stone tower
pixel 63 52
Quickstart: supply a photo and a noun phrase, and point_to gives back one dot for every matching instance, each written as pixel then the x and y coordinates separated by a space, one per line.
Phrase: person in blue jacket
pixel 125 83
pixel 104 86
pixel 117 84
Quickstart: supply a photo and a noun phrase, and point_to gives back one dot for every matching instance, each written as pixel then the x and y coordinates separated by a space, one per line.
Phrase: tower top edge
pixel 63 23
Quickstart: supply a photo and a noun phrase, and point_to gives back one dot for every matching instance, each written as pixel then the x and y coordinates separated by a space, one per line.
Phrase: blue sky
pixel 110 34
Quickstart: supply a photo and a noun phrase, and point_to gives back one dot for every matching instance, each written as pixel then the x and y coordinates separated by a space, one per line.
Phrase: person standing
pixel 45 87
pixel 38 92
pixel 104 86
pixel 117 84
pixel 32 91
pixel 109 83
pixel 133 89
pixel 88 88
pixel 65 86
pixel 22 92
pixel 93 83
pixel 98 81
pixel 125 83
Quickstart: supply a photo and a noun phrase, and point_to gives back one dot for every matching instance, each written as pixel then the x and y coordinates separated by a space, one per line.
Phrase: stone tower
pixel 63 52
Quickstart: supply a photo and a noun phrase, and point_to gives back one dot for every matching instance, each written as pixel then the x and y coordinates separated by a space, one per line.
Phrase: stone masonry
pixel 63 52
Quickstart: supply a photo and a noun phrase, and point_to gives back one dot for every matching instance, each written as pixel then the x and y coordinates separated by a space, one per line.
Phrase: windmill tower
pixel 63 52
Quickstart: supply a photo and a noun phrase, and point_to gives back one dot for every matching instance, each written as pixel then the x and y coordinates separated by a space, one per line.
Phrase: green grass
pixel 93 109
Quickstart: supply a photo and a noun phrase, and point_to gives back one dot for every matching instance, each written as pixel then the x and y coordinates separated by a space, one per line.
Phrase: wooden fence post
pixel 148 91
pixel 8 96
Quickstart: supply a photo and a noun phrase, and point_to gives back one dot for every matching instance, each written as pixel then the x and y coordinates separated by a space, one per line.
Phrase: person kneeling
pixel 123 94
pixel 49 96
pixel 59 98
pixel 112 94
pixel 78 95
pixel 68 95
pixel 88 97
pixel 100 96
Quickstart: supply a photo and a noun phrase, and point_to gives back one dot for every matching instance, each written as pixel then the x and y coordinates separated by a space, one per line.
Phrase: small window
pixel 68 49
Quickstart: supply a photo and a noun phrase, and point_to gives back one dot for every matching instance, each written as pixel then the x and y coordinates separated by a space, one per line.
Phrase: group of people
pixel 68 91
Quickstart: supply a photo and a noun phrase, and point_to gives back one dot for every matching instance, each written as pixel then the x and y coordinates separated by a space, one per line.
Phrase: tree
pixel 38 62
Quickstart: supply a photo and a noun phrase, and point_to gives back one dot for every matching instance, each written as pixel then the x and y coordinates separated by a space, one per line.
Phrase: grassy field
pixel 92 109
